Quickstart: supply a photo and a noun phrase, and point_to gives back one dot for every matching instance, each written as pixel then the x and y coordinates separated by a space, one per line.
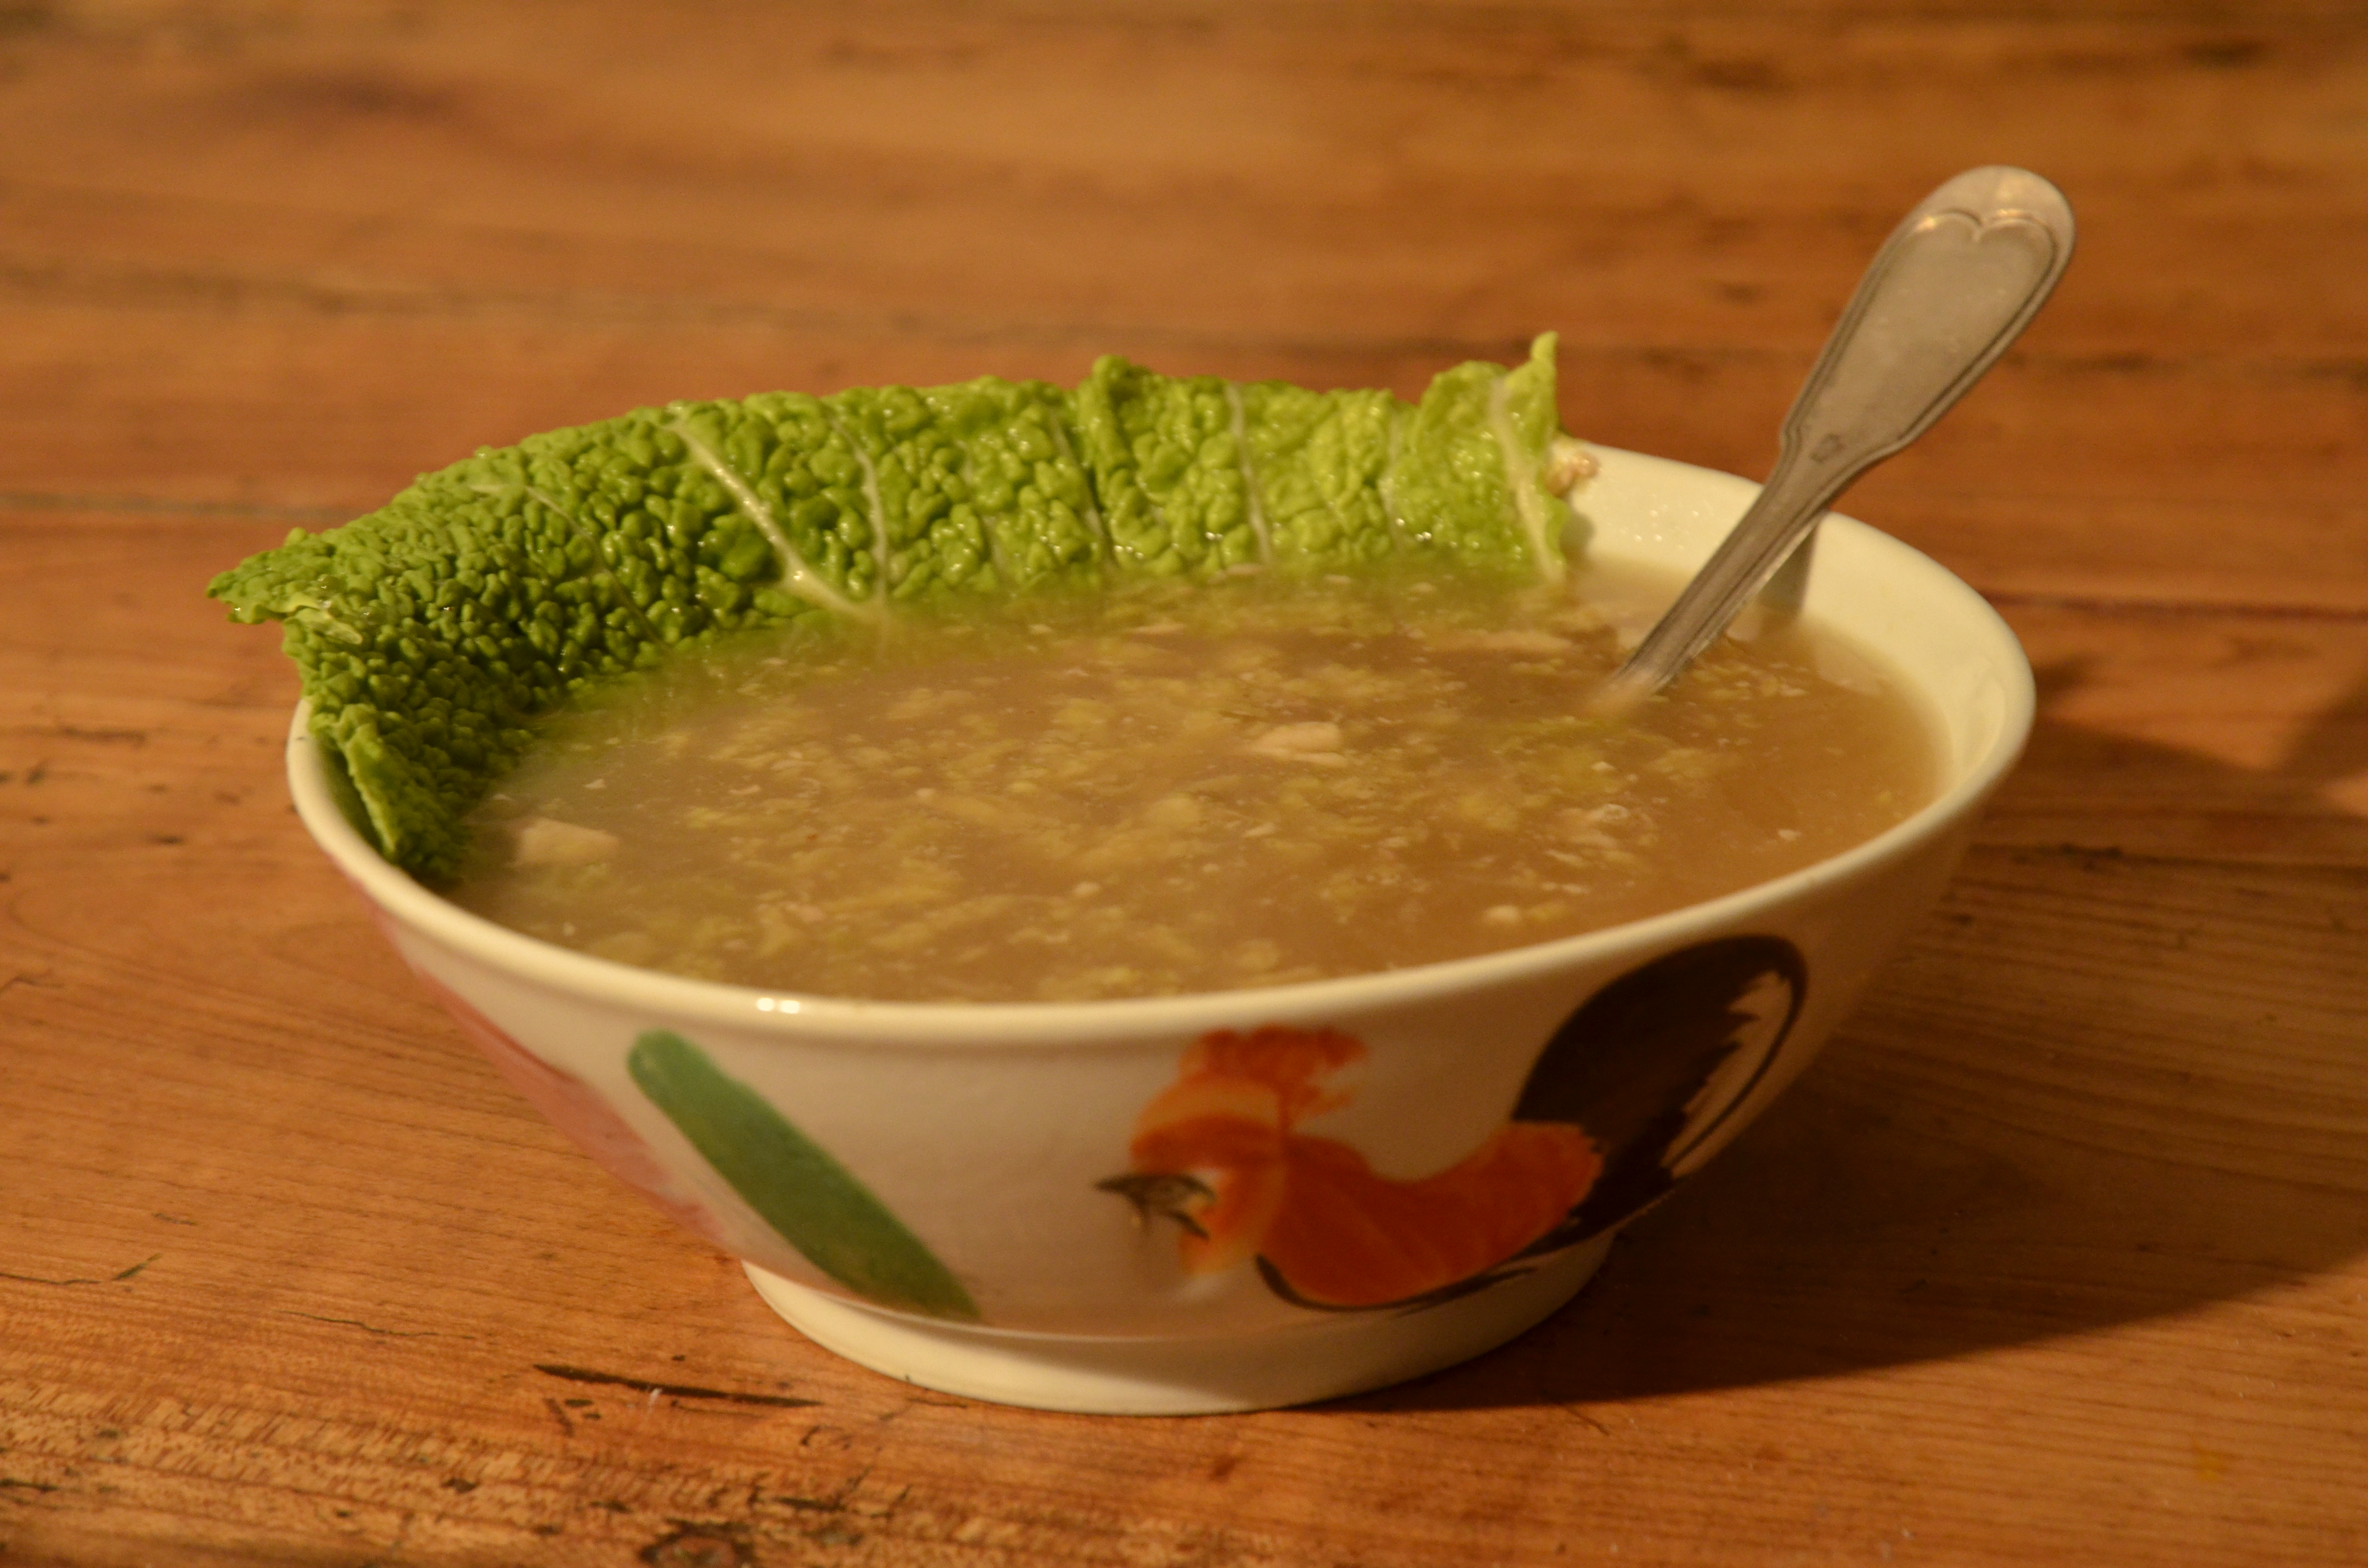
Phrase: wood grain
pixel 2060 1255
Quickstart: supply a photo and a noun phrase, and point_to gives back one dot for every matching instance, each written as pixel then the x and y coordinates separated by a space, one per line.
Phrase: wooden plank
pixel 789 227
pixel 2192 733
pixel 2240 736
pixel 1459 174
pixel 2034 1156
pixel 1479 176
pixel 2058 1255
pixel 2238 488
pixel 2063 1241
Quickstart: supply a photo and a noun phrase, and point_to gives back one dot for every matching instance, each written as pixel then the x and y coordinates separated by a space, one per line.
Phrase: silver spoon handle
pixel 1958 280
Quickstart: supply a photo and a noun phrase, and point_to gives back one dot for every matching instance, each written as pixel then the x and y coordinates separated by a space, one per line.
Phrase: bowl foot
pixel 1325 1359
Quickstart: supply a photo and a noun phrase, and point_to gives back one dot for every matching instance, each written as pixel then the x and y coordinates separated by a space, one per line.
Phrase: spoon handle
pixel 1958 280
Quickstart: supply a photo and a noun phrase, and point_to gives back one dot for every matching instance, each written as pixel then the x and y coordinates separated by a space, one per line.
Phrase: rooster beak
pixel 1166 1195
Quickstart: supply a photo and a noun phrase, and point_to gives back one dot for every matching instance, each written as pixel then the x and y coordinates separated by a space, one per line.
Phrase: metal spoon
pixel 1958 280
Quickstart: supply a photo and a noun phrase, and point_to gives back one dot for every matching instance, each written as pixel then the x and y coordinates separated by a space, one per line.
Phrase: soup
pixel 1169 790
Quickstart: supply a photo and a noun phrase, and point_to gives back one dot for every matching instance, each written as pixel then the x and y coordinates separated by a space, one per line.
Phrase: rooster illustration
pixel 1618 1106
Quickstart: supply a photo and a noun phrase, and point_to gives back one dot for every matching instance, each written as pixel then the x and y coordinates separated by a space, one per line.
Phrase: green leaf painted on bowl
pixel 815 1202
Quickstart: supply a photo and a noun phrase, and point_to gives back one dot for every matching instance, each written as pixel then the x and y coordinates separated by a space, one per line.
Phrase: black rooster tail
pixel 1657 1061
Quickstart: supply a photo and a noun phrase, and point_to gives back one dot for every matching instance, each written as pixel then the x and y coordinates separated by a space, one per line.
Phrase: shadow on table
pixel 1973 1164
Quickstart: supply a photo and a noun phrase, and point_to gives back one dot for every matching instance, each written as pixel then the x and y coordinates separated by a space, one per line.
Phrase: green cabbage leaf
pixel 432 632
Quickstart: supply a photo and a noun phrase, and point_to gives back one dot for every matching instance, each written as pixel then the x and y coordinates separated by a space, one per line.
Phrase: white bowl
pixel 951 1194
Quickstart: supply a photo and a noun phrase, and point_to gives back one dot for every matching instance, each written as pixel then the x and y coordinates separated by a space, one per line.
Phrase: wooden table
pixel 2060 1255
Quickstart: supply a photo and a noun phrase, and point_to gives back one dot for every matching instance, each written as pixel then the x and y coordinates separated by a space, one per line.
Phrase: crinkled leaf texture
pixel 433 630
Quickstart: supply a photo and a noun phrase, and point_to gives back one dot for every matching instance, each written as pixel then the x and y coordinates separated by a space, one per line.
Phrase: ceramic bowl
pixel 1251 1197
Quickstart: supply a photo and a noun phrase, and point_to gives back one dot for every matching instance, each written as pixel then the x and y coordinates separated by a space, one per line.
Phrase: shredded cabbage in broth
pixel 1169 790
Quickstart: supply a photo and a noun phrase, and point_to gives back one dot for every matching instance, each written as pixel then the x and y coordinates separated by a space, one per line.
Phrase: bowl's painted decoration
pixel 1657 1063
pixel 1633 1082
pixel 815 1202
pixel 1219 1154
pixel 812 1201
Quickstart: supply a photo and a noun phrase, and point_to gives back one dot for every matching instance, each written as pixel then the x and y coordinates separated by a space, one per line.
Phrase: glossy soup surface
pixel 1184 791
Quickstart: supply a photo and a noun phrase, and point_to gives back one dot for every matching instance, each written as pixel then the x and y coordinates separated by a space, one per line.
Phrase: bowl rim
pixel 969 1024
